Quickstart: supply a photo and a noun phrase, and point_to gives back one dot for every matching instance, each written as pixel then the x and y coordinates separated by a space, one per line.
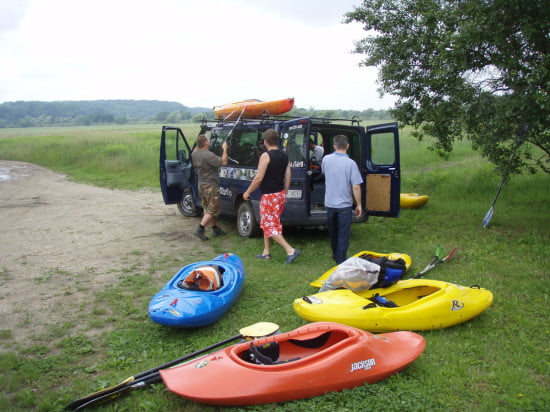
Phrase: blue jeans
pixel 339 231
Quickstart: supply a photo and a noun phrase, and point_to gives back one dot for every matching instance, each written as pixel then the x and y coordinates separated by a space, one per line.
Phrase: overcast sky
pixel 195 52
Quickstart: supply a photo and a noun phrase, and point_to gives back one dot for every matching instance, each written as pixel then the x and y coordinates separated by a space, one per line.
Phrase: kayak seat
pixel 265 354
pixel 378 300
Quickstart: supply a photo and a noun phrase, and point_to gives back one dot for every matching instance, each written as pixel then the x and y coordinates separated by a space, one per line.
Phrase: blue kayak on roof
pixel 200 293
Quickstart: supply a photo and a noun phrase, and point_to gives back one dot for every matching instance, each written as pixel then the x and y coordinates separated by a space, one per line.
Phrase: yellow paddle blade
pixel 259 330
pixel 130 379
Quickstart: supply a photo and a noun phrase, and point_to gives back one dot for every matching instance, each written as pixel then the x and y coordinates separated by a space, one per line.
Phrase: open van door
pixel 382 170
pixel 295 143
pixel 175 164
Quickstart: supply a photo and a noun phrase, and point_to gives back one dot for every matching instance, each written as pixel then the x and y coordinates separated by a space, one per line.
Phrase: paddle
pixel 435 261
pixel 489 214
pixel 147 377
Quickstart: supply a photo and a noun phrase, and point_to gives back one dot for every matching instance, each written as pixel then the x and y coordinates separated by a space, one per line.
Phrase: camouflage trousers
pixel 210 199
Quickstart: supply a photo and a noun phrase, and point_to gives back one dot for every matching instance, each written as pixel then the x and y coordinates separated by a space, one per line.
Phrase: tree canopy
pixel 474 69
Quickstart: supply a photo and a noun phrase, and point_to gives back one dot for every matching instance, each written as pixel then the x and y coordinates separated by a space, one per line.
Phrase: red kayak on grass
pixel 312 360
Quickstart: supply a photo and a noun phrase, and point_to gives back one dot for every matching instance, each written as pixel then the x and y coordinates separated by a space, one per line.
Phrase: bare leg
pixel 284 244
pixel 267 246
pixel 208 218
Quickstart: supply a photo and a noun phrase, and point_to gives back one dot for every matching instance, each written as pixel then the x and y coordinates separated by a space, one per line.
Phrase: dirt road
pixel 60 240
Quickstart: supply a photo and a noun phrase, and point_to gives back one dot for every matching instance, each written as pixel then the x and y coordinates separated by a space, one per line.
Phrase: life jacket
pixel 365 272
pixel 205 278
pixel 390 270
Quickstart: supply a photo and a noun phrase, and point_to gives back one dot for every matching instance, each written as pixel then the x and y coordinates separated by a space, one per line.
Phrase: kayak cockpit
pixel 403 296
pixel 290 350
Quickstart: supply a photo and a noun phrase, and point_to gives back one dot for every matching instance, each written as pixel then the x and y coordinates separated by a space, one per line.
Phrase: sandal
pixel 290 258
pixel 266 257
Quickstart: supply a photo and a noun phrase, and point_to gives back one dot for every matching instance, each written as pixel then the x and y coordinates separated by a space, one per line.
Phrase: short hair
pixel 201 141
pixel 340 142
pixel 271 137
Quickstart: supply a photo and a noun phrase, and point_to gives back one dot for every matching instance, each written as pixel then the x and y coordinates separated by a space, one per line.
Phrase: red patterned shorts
pixel 271 209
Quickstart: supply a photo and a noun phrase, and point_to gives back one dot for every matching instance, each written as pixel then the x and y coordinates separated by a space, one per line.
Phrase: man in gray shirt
pixel 207 165
pixel 343 186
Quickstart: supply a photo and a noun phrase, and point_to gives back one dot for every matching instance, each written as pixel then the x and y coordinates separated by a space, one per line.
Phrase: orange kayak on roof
pixel 312 360
pixel 253 108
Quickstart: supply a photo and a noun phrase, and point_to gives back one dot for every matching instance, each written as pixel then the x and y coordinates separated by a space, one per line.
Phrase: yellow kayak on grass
pixel 391 256
pixel 412 304
pixel 412 200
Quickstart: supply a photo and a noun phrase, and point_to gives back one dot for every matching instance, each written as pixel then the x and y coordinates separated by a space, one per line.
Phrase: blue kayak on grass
pixel 178 306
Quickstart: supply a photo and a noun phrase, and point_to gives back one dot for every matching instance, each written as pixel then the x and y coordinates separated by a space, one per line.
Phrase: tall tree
pixel 475 69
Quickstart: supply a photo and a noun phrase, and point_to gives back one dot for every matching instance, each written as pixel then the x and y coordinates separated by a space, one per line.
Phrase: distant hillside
pixel 37 113
pixel 86 112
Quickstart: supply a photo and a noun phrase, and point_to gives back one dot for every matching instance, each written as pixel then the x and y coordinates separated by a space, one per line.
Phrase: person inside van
pixel 273 179
pixel 317 152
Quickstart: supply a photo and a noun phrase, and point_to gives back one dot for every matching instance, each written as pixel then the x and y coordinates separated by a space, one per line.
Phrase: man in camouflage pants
pixel 207 165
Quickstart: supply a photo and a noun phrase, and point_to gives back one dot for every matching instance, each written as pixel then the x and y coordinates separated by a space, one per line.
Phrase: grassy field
pixel 497 361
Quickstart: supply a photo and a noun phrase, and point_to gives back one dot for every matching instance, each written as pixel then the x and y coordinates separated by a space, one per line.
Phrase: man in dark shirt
pixel 273 179
pixel 207 165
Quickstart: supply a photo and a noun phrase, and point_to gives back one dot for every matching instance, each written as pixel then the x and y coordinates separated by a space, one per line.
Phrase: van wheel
pixel 247 226
pixel 187 205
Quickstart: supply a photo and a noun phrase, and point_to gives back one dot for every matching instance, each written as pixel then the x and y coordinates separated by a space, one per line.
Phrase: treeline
pixel 369 114
pixel 62 113
pixel 81 113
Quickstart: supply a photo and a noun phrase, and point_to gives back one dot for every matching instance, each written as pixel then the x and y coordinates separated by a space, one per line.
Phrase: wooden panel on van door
pixel 378 192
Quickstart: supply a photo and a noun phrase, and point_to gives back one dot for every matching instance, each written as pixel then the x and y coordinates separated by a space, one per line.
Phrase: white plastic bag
pixel 355 274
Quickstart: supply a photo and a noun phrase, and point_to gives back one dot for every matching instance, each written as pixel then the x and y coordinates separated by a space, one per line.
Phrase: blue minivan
pixel 374 148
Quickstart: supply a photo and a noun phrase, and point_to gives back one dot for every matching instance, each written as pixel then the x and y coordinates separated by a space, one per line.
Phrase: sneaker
pixel 218 232
pixel 200 234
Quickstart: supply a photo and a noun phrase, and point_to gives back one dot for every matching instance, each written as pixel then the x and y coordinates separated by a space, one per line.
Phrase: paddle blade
pixel 451 254
pixel 259 330
pixel 488 216
pixel 91 398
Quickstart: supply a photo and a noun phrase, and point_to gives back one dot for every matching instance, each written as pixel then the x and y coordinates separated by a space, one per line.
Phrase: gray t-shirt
pixel 207 165
pixel 341 173
pixel 317 154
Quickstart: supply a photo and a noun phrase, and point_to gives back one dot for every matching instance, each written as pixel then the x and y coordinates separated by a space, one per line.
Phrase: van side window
pixel 383 149
pixel 243 148
pixel 215 143
pixel 294 143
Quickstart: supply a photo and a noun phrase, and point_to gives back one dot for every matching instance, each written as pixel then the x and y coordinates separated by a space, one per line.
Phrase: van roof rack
pixel 266 118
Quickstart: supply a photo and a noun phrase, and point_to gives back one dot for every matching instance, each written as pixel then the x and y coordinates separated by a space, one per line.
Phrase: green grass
pixel 116 157
pixel 497 361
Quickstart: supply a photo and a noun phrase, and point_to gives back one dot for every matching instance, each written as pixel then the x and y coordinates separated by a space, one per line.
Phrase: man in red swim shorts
pixel 273 179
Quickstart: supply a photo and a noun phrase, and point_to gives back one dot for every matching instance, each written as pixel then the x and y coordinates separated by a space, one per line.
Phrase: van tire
pixel 187 205
pixel 247 225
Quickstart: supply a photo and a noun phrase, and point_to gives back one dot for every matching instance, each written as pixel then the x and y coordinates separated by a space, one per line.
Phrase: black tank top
pixel 274 179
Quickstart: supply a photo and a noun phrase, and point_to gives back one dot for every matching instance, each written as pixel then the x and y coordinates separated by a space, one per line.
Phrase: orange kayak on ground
pixel 253 108
pixel 312 360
